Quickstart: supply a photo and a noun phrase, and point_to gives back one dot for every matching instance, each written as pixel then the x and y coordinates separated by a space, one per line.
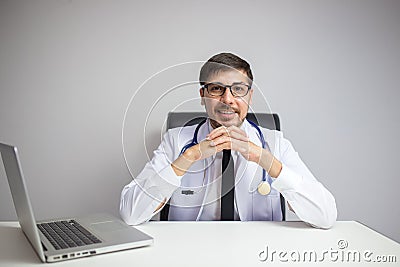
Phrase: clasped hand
pixel 221 138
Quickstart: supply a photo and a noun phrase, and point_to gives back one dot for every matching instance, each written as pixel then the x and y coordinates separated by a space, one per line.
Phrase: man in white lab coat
pixel 188 173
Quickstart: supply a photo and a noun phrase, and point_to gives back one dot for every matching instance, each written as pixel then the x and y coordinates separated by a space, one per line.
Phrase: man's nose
pixel 227 97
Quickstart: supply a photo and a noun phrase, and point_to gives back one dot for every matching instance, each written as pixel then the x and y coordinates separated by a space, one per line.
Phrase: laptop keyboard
pixel 67 234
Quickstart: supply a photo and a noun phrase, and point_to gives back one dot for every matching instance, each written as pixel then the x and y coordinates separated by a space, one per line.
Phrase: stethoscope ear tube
pixel 264 145
pixel 194 139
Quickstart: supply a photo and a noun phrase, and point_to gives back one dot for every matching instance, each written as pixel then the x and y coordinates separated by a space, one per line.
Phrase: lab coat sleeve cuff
pixel 170 181
pixel 287 180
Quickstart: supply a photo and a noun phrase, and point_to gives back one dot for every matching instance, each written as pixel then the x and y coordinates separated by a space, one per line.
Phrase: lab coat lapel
pixel 247 176
pixel 201 135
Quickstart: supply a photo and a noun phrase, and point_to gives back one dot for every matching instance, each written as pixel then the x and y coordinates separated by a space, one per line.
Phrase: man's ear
pixel 201 91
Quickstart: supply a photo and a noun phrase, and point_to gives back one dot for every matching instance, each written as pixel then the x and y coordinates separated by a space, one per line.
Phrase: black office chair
pixel 179 119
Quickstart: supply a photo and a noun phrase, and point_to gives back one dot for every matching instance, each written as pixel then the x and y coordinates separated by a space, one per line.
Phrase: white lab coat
pixel 311 201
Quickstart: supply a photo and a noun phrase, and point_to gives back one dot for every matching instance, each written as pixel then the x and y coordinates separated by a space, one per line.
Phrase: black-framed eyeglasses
pixel 218 89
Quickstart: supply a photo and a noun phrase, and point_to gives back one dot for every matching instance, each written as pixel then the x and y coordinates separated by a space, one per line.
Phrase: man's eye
pixel 238 89
pixel 216 88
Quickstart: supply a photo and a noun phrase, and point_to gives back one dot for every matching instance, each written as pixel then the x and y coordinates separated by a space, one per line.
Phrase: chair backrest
pixel 180 119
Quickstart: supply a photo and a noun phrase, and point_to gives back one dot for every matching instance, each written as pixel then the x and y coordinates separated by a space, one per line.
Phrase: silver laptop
pixel 66 238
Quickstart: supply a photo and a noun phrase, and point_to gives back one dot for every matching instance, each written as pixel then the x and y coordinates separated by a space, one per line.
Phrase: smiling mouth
pixel 222 116
pixel 225 115
pixel 227 112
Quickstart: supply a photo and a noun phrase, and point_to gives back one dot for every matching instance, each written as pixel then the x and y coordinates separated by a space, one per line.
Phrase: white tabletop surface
pixel 228 244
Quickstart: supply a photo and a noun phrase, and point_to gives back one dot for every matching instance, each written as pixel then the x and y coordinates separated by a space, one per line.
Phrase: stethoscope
pixel 264 188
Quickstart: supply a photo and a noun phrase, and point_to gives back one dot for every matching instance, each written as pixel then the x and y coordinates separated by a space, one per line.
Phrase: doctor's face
pixel 227 109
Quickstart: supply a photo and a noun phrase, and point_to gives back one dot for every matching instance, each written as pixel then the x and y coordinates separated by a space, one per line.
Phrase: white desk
pixel 224 244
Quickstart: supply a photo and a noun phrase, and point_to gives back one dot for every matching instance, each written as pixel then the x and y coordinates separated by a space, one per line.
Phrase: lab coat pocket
pixel 267 208
pixel 185 204
pixel 187 197
pixel 191 191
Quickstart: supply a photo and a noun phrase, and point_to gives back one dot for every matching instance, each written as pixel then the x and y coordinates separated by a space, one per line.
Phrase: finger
pixel 236 145
pixel 249 150
pixel 234 128
pixel 238 136
pixel 217 132
pixel 231 131
pixel 232 144
pixel 239 145
pixel 224 138
pixel 205 150
pixel 234 135
pixel 226 146
pixel 220 140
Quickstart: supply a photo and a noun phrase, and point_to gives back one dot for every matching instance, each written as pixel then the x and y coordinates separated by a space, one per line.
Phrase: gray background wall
pixel 329 68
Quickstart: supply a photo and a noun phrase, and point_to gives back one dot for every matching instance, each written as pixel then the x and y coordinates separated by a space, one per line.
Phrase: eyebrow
pixel 226 84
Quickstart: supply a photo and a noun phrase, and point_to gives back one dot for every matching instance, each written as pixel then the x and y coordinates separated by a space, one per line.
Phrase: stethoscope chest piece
pixel 264 188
